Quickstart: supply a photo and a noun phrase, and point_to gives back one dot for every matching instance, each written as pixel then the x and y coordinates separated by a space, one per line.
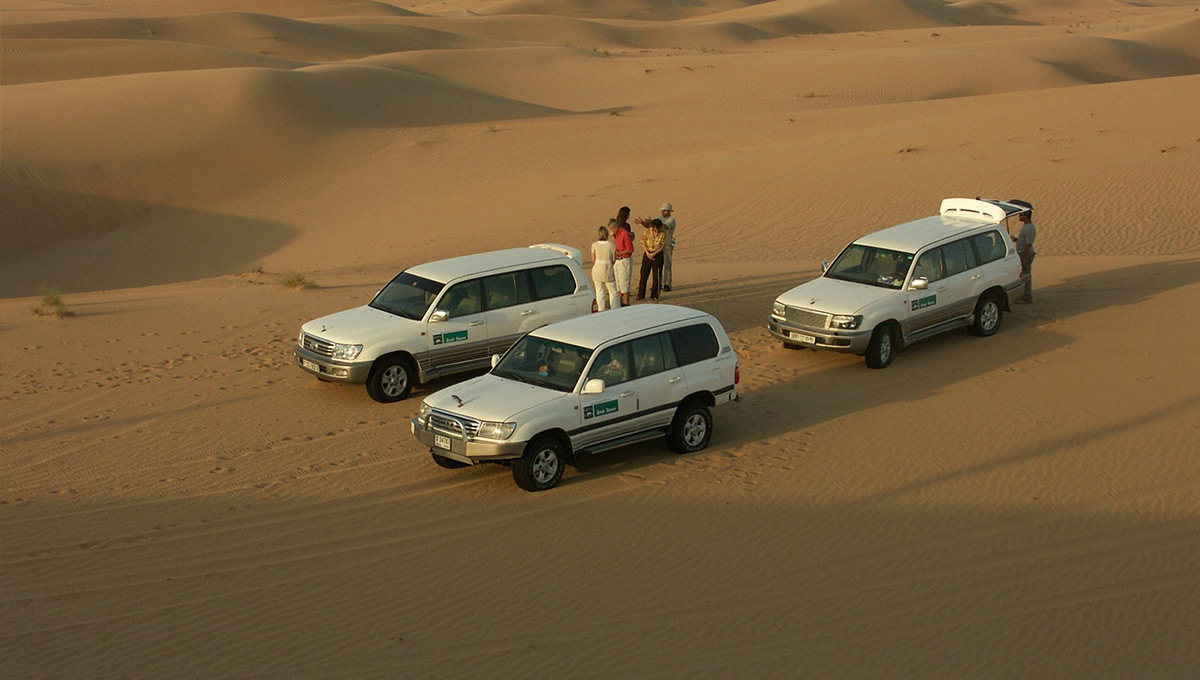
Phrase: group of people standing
pixel 613 253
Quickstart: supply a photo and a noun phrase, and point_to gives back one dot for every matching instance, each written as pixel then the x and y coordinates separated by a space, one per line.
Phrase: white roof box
pixel 972 207
pixel 573 253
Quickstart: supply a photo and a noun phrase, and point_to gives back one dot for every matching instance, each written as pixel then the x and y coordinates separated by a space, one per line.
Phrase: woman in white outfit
pixel 603 253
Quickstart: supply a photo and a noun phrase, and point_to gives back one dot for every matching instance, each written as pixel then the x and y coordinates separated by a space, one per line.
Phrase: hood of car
pixel 834 296
pixel 489 397
pixel 359 326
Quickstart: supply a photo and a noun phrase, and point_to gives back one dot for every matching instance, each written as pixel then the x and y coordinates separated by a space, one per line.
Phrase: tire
pixel 988 314
pixel 448 463
pixel 391 379
pixel 882 348
pixel 691 430
pixel 542 465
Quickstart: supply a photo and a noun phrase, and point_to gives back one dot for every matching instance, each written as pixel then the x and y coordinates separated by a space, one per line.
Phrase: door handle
pixel 529 312
pixel 976 277
pixel 674 380
pixel 625 394
pixel 475 323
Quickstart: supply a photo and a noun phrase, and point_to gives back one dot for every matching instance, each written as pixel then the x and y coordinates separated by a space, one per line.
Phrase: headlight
pixel 423 413
pixel 346 352
pixel 300 339
pixel 488 430
pixel 845 321
pixel 780 310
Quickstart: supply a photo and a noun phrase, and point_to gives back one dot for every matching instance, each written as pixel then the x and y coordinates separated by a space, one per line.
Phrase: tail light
pixel 737 374
pixel 595 307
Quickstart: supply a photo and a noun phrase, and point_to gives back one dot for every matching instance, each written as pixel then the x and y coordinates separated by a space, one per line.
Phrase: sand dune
pixel 176 498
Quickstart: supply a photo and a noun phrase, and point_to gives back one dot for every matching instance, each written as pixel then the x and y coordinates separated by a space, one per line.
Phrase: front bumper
pixel 327 369
pixel 852 342
pixel 469 451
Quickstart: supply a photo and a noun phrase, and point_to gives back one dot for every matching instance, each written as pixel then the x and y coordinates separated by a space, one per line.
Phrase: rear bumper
pixel 851 342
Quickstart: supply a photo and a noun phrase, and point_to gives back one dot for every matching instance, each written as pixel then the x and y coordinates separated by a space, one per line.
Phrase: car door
pixel 963 280
pixel 658 379
pixel 510 309
pixel 927 307
pixel 554 288
pixel 458 342
pixel 613 412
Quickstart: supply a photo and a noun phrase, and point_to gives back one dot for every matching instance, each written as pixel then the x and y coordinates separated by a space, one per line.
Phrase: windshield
pixel 872 266
pixel 407 296
pixel 546 363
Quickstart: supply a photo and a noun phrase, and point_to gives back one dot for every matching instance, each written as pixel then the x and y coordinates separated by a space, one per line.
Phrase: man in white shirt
pixel 668 221
pixel 1024 241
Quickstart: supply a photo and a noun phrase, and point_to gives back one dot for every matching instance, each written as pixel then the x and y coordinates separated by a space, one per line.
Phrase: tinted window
pixel 989 247
pixel 462 299
pixel 958 257
pixel 546 363
pixel 929 266
pixel 552 281
pixel 506 290
pixel 612 365
pixel 649 355
pixel 694 343
pixel 407 296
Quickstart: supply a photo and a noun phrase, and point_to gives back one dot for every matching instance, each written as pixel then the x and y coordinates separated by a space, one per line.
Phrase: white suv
pixel 445 317
pixel 894 287
pixel 583 386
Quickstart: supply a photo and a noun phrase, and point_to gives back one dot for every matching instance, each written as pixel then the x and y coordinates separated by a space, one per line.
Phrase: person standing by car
pixel 668 220
pixel 603 255
pixel 653 241
pixel 1024 242
pixel 623 257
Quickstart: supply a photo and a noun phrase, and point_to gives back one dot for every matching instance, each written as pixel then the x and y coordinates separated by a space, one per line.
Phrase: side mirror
pixel 824 266
pixel 439 315
pixel 495 360
pixel 919 283
pixel 594 386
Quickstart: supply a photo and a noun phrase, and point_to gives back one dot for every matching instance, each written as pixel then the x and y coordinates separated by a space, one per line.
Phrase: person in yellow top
pixel 654 239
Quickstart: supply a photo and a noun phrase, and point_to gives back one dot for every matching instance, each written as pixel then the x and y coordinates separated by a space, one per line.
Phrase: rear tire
pixel 691 430
pixel 882 348
pixel 542 465
pixel 448 463
pixel 988 314
pixel 391 379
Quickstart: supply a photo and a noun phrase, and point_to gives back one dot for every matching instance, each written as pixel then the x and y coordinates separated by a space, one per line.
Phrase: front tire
pixel 691 430
pixel 882 348
pixel 542 465
pixel 988 313
pixel 391 379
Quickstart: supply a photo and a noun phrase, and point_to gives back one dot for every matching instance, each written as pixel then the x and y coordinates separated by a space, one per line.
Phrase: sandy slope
pixel 176 499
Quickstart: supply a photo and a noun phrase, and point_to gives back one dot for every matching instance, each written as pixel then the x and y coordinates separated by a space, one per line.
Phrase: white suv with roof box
pixel 894 287
pixel 445 317
pixel 583 386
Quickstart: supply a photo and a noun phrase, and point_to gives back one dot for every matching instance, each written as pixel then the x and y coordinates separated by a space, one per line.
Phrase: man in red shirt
pixel 623 266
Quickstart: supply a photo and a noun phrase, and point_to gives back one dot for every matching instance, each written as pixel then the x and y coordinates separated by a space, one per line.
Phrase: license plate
pixel 803 338
pixel 310 365
pixel 441 442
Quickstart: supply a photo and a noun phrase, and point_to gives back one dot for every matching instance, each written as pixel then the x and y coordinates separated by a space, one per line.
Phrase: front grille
pixel 314 344
pixel 805 317
pixel 459 426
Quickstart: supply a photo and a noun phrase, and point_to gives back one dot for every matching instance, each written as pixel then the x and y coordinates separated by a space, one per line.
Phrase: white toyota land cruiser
pixel 905 283
pixel 583 386
pixel 445 317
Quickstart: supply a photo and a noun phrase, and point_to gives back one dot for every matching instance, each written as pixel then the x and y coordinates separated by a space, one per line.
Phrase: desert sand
pixel 177 500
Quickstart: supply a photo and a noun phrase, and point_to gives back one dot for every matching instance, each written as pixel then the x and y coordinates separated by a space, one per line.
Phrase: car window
pixel 612 365
pixel 552 281
pixel 870 265
pixel 462 299
pixel 545 363
pixel 506 290
pixel 407 296
pixel 648 356
pixel 929 266
pixel 958 257
pixel 989 246
pixel 694 343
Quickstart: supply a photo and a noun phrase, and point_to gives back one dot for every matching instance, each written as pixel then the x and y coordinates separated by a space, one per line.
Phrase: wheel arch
pixel 406 356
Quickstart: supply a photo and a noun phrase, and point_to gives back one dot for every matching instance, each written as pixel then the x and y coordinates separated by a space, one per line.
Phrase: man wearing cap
pixel 668 226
